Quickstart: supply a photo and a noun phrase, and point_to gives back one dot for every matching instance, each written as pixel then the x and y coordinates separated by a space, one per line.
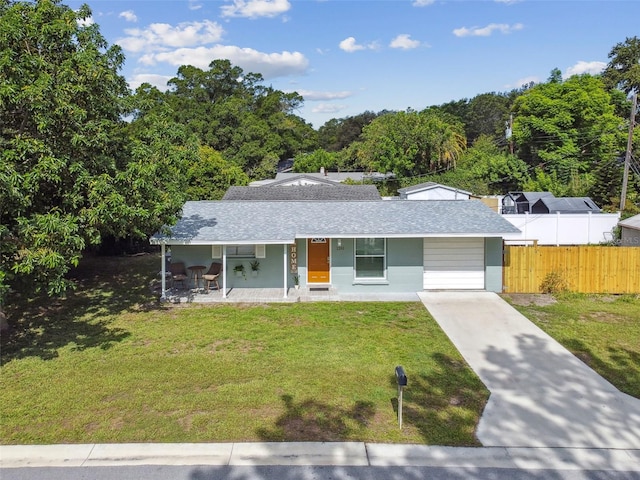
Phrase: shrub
pixel 553 283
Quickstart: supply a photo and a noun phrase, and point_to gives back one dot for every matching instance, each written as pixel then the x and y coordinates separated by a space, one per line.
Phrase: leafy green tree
pixel 623 69
pixel 316 160
pixel 230 111
pixel 60 108
pixel 337 134
pixel 493 171
pixel 411 143
pixel 209 175
pixel 566 127
pixel 72 171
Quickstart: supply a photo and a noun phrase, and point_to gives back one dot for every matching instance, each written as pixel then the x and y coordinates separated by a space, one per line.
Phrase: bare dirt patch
pixel 526 299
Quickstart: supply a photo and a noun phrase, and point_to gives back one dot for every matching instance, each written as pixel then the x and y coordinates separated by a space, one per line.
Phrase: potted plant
pixel 255 266
pixel 296 282
pixel 239 269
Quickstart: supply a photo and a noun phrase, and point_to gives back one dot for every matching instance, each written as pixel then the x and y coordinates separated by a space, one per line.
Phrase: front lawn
pixel 601 330
pixel 109 364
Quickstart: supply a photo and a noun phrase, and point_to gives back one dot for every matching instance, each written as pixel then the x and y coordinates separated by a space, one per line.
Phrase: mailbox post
pixel 401 378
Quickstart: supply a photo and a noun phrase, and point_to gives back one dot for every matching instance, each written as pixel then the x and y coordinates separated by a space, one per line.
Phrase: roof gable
pixel 430 186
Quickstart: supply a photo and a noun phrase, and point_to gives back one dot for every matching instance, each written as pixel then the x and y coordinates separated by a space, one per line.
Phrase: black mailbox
pixel 401 377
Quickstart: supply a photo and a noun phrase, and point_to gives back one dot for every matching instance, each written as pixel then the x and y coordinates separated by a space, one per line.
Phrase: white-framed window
pixel 370 258
pixel 241 250
pixel 257 251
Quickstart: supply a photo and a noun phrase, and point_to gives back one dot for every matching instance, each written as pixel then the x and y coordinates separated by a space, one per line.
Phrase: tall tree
pixel 411 143
pixel 566 127
pixel 623 69
pixel 60 105
pixel 232 112
pixel 72 171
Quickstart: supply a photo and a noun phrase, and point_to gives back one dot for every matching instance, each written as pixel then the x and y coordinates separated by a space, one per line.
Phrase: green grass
pixel 601 330
pixel 110 364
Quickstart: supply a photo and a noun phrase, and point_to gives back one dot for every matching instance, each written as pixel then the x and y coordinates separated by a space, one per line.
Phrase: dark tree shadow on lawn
pixel 310 420
pixel 105 287
pixel 622 368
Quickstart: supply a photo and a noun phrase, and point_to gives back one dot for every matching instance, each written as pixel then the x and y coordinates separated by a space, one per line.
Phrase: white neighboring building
pixel 630 232
pixel 432 191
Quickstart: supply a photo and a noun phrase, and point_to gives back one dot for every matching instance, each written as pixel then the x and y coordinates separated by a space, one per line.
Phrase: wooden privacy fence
pixel 584 268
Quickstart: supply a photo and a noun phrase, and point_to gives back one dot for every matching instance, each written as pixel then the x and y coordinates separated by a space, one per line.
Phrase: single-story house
pixel 324 176
pixel 371 246
pixel 433 191
pixel 550 204
pixel 630 231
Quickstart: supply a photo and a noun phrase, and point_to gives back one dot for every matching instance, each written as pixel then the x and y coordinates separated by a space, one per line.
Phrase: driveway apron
pixel 541 394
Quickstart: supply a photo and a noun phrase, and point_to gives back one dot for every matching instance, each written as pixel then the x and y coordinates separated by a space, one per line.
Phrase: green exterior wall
pixel 493 264
pixel 404 266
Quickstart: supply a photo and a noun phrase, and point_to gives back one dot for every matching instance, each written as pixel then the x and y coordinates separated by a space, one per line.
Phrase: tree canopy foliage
pixel 60 118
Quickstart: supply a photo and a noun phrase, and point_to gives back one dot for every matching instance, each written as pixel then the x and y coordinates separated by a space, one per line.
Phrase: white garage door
pixel 453 264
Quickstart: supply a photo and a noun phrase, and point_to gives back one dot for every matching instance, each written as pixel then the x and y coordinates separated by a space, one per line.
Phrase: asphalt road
pixel 195 472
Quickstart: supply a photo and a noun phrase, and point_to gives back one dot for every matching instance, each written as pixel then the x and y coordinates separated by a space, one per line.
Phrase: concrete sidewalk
pixel 541 394
pixel 338 453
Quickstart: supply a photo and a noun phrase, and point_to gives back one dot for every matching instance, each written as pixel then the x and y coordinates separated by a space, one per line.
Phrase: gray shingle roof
pixel 565 205
pixel 230 221
pixel 304 192
pixel 631 222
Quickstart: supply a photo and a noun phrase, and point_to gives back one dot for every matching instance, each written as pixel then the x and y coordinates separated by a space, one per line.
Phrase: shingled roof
pixel 238 222
pixel 304 192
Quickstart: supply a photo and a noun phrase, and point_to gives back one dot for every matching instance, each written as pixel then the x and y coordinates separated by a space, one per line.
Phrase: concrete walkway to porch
pixel 276 295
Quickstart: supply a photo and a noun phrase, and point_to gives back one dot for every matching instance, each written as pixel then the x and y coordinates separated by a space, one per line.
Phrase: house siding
pixel 404 267
pixel 493 264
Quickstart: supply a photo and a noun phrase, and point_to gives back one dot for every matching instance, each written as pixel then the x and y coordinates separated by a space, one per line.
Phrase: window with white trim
pixel 371 260
pixel 241 250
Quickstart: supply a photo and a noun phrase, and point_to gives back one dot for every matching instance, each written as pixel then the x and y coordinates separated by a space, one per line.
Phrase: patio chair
pixel 178 273
pixel 211 276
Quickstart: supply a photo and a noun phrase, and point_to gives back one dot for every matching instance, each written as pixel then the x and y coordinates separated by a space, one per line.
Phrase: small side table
pixel 195 274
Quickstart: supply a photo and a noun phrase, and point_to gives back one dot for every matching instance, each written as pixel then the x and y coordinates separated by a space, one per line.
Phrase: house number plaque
pixel 293 258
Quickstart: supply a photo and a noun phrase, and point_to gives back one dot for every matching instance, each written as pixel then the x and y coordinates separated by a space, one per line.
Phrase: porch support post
pixel 163 271
pixel 284 256
pixel 224 271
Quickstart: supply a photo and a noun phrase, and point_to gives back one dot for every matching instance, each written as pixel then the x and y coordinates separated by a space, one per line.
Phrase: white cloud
pixel 193 5
pixel 404 41
pixel 255 8
pixel 328 108
pixel 585 67
pixel 350 45
pixel 159 36
pixel 270 65
pixel 423 3
pixel 158 81
pixel 508 2
pixel 85 22
pixel 523 81
pixel 129 16
pixel 312 95
pixel 488 30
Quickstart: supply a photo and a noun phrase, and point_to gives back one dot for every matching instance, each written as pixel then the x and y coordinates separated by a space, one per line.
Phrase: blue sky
pixel 348 56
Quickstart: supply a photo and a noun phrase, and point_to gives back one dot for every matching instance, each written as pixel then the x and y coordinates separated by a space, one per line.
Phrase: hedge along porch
pixel 352 246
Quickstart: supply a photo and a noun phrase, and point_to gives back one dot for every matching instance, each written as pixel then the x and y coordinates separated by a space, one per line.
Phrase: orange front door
pixel 318 260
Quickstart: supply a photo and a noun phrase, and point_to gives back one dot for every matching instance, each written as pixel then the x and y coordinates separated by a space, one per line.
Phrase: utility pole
pixel 627 157
pixel 509 133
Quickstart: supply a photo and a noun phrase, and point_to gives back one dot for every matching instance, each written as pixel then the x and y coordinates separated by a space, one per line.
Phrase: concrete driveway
pixel 541 394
